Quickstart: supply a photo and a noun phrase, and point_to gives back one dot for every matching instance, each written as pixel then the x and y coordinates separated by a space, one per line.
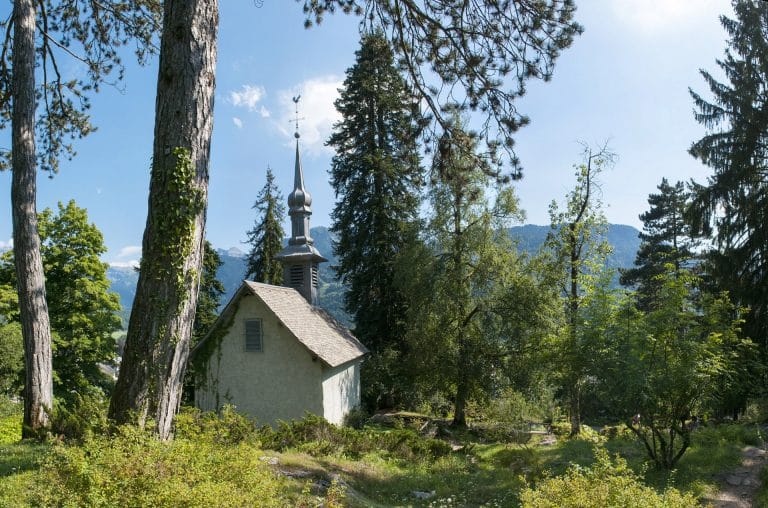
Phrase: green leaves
pixel 266 237
pixel 83 312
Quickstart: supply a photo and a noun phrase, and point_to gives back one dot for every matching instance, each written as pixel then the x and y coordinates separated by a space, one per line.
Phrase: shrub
pixel 134 469
pixel 226 427
pixel 10 420
pixel 356 418
pixel 315 436
pixel 712 437
pixel 83 416
pixel 607 484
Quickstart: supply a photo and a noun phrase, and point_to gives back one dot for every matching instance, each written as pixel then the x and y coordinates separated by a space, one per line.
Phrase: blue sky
pixel 624 80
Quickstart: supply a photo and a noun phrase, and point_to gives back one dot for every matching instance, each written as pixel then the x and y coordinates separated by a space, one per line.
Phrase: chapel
pixel 273 353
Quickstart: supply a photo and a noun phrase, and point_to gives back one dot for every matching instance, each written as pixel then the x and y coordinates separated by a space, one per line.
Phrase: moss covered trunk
pixel 35 326
pixel 159 330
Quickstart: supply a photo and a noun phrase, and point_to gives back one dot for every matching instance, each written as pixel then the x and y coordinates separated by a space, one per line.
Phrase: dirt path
pixel 740 485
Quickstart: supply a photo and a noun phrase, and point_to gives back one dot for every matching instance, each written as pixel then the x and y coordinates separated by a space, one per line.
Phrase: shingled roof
pixel 317 330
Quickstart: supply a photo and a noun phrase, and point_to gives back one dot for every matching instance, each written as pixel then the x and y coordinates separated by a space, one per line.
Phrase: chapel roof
pixel 313 327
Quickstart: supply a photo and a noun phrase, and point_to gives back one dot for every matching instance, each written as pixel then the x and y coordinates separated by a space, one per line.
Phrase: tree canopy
pixel 481 52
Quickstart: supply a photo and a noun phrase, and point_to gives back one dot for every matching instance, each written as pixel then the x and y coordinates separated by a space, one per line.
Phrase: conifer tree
pixel 206 313
pixel 732 204
pixel 209 298
pixel 666 238
pixel 266 237
pixel 376 177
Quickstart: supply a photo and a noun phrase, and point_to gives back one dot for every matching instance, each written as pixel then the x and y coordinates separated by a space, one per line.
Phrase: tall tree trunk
pixel 575 408
pixel 38 385
pixel 159 330
pixel 460 403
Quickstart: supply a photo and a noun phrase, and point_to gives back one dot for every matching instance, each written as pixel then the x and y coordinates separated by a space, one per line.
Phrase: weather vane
pixel 296 100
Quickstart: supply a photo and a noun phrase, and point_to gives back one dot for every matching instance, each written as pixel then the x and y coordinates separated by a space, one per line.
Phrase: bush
pixel 227 427
pixel 315 436
pixel 134 469
pixel 713 437
pixel 356 418
pixel 84 416
pixel 607 484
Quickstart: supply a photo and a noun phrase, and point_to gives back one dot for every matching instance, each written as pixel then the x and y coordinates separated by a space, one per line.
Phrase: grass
pixel 482 474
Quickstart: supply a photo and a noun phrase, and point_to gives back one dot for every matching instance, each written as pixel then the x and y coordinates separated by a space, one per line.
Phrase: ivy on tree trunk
pixel 159 330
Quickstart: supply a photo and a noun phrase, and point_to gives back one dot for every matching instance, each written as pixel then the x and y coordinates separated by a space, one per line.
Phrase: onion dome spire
pixel 300 258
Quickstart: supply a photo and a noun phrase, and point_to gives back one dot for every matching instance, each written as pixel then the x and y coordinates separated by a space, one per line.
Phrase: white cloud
pixel 129 251
pixel 316 108
pixel 131 263
pixel 248 97
pixel 238 123
pixel 653 16
pixel 127 257
pixel 264 112
pixel 4 246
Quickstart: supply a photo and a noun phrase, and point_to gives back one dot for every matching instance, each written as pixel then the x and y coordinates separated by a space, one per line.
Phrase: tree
pixel 376 176
pixel 489 43
pixel 578 247
pixel 475 302
pixel 11 343
pixel 678 355
pixel 84 313
pixel 476 49
pixel 732 205
pixel 266 237
pixel 666 238
pixel 162 317
pixel 63 29
pixel 208 301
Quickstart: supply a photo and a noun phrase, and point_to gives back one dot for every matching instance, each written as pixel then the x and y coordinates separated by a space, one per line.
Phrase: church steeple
pixel 300 258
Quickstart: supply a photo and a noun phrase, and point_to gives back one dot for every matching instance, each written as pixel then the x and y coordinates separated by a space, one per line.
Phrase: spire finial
pixel 296 100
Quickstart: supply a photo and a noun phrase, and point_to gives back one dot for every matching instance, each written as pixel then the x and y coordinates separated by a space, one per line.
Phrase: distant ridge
pixel 624 239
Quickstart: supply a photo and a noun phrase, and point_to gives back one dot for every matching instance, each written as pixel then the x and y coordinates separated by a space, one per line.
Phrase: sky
pixel 623 82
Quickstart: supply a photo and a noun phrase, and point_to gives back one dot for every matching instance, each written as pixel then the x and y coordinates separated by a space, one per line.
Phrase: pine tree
pixel 209 297
pixel 733 204
pixel 376 177
pixel 666 238
pixel 159 331
pixel 266 237
pixel 206 313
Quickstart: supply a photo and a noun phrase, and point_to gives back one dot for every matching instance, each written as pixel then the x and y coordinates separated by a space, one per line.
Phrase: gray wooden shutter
pixel 253 342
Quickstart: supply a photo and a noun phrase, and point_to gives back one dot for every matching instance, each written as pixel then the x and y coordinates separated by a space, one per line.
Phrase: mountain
pixel 624 239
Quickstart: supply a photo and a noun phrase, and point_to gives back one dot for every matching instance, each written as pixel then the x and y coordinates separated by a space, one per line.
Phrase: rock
pixel 272 461
pixel 419 494
pixel 383 419
pixel 753 452
pixel 339 480
pixel 320 487
pixel 734 480
pixel 299 473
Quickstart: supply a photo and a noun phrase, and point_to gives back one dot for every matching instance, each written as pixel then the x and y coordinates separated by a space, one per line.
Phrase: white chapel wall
pixel 341 391
pixel 280 383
